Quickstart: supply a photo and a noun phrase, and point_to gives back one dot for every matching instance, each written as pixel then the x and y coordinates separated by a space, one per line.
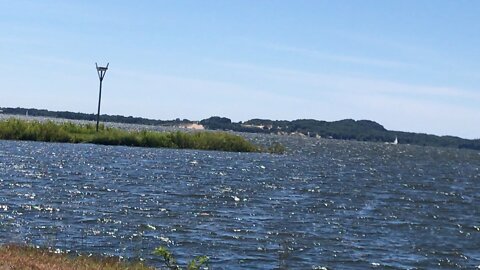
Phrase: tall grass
pixel 15 129
pixel 24 257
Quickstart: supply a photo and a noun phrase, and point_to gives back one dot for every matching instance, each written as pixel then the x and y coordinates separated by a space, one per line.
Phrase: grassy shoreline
pixel 15 129
pixel 26 257
pixel 21 256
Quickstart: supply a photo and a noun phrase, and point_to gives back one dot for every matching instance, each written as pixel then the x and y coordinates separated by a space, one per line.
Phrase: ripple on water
pixel 327 205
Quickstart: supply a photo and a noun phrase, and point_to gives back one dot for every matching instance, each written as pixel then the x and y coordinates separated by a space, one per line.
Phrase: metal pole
pixel 99 101
pixel 101 74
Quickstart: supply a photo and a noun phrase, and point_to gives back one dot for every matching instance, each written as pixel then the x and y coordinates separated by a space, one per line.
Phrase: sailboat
pixel 394 142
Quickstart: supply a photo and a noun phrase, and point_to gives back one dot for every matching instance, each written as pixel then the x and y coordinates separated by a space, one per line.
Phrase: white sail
pixel 396 141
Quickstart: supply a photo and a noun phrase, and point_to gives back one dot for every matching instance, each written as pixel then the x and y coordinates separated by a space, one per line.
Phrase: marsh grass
pixel 24 257
pixel 15 129
pixel 199 262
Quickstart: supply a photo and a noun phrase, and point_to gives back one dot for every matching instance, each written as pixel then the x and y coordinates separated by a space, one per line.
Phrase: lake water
pixel 327 203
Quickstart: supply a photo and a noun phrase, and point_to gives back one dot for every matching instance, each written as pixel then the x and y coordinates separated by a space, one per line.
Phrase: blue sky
pixel 409 65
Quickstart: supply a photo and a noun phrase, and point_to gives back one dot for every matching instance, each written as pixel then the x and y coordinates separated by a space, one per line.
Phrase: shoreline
pixel 15 256
pixel 47 130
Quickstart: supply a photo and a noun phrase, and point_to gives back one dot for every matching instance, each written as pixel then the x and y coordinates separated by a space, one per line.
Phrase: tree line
pixel 348 129
pixel 93 117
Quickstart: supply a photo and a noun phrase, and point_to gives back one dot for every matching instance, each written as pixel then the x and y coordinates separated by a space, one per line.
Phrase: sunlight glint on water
pixel 342 205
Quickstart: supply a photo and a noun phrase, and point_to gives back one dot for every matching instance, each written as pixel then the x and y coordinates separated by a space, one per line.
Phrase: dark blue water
pixel 332 204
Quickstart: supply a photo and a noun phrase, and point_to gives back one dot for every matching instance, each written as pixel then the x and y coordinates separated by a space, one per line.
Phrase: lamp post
pixel 101 74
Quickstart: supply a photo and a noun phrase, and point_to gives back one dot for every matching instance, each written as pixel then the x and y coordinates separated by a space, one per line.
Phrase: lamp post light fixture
pixel 101 74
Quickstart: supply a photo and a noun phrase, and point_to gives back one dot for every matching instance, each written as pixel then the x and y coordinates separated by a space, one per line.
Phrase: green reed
pixel 49 131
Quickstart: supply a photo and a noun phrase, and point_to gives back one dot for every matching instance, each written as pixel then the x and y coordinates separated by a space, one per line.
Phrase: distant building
pixel 194 125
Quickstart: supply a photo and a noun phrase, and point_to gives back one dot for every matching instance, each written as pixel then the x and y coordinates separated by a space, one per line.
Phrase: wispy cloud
pixel 383 41
pixel 366 61
pixel 349 84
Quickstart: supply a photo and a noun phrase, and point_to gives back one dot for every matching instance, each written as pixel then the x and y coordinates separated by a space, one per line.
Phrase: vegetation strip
pixel 15 129
pixel 24 257
pixel 347 129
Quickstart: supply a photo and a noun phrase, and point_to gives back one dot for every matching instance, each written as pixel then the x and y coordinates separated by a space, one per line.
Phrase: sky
pixel 408 65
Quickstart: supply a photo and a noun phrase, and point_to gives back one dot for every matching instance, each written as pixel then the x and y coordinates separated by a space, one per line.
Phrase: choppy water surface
pixel 341 205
